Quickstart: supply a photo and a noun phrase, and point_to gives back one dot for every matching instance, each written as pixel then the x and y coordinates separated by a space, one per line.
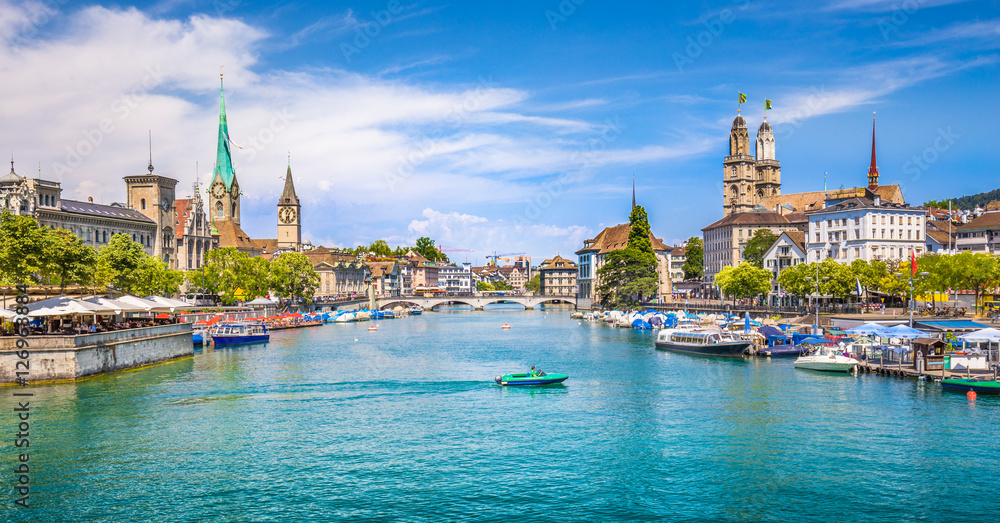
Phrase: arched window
pixel 105 236
pixel 734 191
pixel 760 194
pixel 142 204
pixel 218 209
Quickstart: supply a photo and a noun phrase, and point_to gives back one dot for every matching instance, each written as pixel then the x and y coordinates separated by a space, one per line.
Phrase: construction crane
pixel 496 256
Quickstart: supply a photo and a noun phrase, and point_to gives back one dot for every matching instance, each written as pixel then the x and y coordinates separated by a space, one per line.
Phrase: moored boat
pixel 703 342
pixel 416 310
pixel 239 333
pixel 527 379
pixel 778 351
pixel 827 358
pixel 974 384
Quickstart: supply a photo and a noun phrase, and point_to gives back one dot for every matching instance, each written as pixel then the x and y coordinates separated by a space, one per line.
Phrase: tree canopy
pixel 629 275
pixel 694 264
pixel 757 246
pixel 744 281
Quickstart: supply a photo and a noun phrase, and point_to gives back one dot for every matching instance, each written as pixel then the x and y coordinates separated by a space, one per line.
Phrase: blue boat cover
pixel 641 324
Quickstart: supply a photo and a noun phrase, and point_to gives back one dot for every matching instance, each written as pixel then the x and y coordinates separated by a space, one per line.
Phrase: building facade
pixel 194 232
pixel 385 278
pixel 864 229
pixel 154 196
pixel 591 259
pixel 725 239
pixel 787 251
pixel 558 277
pixel 456 280
pixel 748 179
pixel 982 234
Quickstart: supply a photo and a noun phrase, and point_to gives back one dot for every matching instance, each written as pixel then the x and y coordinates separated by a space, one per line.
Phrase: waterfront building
pixel 748 179
pixel 677 258
pixel 93 223
pixel 154 197
pixel 456 280
pixel 384 277
pixel 982 234
pixel 524 262
pixel 341 274
pixel 787 251
pixel 421 273
pixel 194 232
pixel 516 275
pixel 558 277
pixel 591 258
pixel 865 229
pixel 725 239
pixel 940 235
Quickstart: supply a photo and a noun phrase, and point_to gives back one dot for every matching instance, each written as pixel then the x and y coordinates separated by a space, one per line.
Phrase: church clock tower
pixel 289 219
pixel 738 171
pixel 224 191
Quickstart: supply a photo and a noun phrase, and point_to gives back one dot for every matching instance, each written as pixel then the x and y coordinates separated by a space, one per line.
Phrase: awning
pixel 948 325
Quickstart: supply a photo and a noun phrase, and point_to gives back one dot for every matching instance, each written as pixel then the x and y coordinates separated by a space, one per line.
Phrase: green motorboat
pixel 541 378
pixel 978 385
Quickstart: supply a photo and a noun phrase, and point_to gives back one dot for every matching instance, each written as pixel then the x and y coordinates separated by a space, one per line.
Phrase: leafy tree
pixel 629 275
pixel 425 247
pixel 745 281
pixel 119 263
pixel 293 276
pixel 484 286
pixel 694 264
pixel 380 248
pixel 757 246
pixel 975 272
pixel 68 260
pixel 534 284
pixel 793 279
pixel 154 277
pixel 502 285
pixel 254 276
pixel 22 248
pixel 221 273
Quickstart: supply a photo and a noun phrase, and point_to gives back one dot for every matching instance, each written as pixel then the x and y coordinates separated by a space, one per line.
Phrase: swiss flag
pixel 913 263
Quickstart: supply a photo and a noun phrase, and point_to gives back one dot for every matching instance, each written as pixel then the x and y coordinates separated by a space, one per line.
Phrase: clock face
pixel 287 215
pixel 218 190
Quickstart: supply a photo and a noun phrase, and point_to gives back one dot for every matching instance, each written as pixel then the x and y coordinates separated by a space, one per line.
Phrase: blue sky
pixel 513 126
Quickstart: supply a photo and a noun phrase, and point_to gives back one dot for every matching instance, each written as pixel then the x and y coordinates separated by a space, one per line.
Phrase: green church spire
pixel 224 156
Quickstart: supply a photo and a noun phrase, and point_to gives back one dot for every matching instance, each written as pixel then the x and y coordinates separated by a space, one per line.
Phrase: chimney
pixel 90 199
pixel 878 201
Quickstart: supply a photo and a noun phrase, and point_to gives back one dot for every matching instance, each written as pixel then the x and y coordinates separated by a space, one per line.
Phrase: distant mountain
pixel 967 202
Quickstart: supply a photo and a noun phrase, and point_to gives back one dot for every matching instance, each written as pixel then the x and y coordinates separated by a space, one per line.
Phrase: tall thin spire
pixel 633 192
pixel 150 167
pixel 873 169
pixel 288 196
pixel 224 156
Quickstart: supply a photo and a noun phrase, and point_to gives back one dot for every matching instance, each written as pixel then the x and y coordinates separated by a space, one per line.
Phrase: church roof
pixel 752 218
pixel 224 157
pixel 231 235
pixel 615 238
pixel 739 122
pixel 288 196
pixel 267 245
pixel 813 200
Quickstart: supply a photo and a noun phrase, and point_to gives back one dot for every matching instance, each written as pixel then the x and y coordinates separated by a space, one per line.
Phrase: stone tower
pixel 224 191
pixel 738 171
pixel 289 218
pixel 768 179
pixel 153 196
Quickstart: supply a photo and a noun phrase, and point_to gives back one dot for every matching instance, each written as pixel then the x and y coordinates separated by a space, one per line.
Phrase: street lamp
pixel 817 295
pixel 923 276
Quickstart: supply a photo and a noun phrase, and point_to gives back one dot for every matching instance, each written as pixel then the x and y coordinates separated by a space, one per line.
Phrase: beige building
pixel 725 239
pixel 384 277
pixel 154 197
pixel 558 277
pixel 340 274
pixel 194 232
pixel 592 255
pixel 748 179
pixel 93 223
pixel 516 275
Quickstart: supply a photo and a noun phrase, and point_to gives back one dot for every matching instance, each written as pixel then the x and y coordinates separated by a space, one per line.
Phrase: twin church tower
pixel 748 179
pixel 224 201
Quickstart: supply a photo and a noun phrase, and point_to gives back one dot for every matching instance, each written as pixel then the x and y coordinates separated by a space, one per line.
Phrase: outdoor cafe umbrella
pixel 144 305
pixel 115 306
pixel 988 335
pixel 870 328
pixel 905 332
pixel 168 302
pixel 64 305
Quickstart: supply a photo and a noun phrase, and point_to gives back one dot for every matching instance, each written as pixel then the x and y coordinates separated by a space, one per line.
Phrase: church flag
pixel 767 105
pixel 743 98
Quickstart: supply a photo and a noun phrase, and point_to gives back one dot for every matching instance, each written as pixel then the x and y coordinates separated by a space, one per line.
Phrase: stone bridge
pixel 477 302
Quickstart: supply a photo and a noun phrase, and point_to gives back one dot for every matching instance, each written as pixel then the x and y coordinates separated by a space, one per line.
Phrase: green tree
pixel 22 248
pixel 534 284
pixel 68 260
pixel 629 275
pixel 502 285
pixel 254 276
pixel 154 277
pixel 793 279
pixel 293 276
pixel 745 281
pixel 975 272
pixel 380 248
pixel 694 264
pixel 757 246
pixel 484 286
pixel 119 263
pixel 221 273
pixel 425 247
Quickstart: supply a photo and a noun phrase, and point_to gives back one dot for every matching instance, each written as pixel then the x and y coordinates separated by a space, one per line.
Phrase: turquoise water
pixel 406 424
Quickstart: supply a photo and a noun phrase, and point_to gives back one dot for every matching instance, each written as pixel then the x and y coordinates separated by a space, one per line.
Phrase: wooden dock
pixel 908 371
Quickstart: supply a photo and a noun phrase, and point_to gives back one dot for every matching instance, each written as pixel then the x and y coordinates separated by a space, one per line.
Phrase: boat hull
pixel 826 366
pixel 523 379
pixel 240 340
pixel 734 349
pixel 783 351
pixel 984 387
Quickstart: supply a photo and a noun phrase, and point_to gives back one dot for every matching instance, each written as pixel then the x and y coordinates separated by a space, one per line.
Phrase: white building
pixel 981 234
pixel 787 251
pixel 865 229
pixel 457 280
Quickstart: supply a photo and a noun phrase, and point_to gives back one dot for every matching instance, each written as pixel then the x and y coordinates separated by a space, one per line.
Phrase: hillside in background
pixel 966 202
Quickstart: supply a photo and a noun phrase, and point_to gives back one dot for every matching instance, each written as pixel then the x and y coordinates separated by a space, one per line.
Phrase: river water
pixel 406 424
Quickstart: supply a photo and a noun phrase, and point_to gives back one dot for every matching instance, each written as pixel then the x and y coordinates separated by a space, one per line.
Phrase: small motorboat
pixel 827 358
pixel 541 378
pixel 978 385
pixel 505 326
pixel 239 333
